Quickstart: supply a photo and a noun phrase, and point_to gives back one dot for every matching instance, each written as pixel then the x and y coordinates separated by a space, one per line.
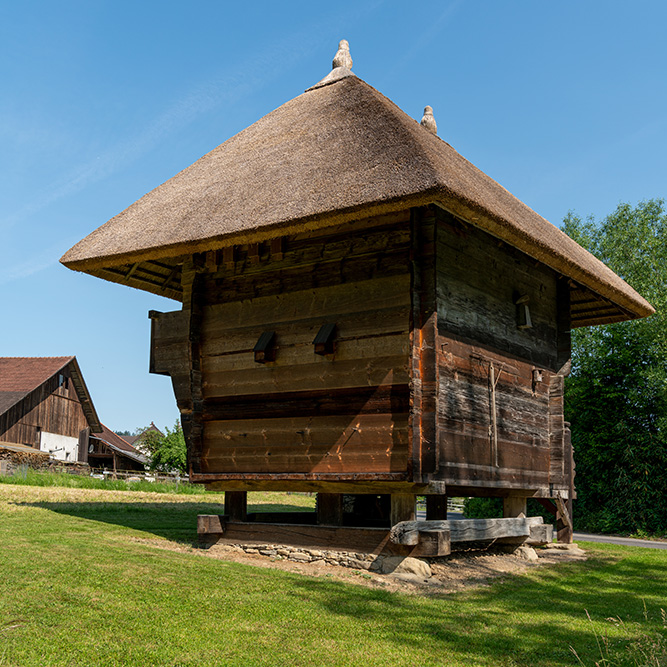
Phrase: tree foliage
pixel 167 452
pixel 616 396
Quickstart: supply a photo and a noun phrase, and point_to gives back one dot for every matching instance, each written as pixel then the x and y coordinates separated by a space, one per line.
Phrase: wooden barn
pixel 365 314
pixel 45 404
pixel 109 451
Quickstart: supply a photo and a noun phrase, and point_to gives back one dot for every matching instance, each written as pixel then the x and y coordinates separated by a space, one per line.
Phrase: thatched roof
pixel 339 152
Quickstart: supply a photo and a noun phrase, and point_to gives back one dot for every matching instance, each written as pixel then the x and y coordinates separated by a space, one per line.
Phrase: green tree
pixel 616 396
pixel 167 452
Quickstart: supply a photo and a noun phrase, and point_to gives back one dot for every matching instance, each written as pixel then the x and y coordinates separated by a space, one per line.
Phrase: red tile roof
pixel 19 376
pixel 25 374
pixel 115 441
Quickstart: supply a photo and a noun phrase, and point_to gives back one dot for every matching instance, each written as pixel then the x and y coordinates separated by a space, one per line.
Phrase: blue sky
pixel 101 101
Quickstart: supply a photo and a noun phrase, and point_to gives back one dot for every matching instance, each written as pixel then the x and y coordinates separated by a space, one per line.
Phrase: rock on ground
pixel 410 566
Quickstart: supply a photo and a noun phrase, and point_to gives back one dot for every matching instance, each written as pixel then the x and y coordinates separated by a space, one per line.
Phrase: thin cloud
pixel 239 82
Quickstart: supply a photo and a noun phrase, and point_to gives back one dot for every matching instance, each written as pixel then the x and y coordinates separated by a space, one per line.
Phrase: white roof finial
pixel 342 57
pixel 428 121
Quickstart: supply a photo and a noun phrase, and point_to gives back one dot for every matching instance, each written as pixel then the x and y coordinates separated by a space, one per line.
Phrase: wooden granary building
pixel 364 312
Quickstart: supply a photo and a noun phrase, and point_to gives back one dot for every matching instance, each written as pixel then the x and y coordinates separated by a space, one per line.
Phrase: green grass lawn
pixel 81 585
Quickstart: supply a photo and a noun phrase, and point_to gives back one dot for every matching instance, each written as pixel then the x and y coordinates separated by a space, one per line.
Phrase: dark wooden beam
pixel 236 505
pixel 423 345
pixel 436 507
pixel 359 540
pixel 330 509
pixel 331 485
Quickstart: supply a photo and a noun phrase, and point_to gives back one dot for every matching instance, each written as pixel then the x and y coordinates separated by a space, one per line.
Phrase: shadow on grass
pixel 524 620
pixel 173 521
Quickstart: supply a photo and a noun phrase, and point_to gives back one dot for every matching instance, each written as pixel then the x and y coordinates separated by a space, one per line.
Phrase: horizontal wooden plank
pixel 388 399
pixel 335 484
pixel 327 302
pixel 467 447
pixel 459 474
pixel 218 338
pixel 356 540
pixel 336 431
pixel 467 530
pixel 367 443
pixel 315 460
pixel 480 304
pixel 222 378
pixel 319 274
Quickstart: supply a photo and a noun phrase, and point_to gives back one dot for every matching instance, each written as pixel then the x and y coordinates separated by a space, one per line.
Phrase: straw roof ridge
pixel 313 157
pixel 511 220
pixel 335 153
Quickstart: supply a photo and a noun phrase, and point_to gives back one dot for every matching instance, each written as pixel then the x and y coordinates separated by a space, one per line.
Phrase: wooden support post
pixel 514 506
pixel 423 343
pixel 436 508
pixel 236 505
pixel 330 509
pixel 564 527
pixel 402 507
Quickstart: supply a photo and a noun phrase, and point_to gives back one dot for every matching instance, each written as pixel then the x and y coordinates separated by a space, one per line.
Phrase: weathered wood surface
pixel 336 485
pixel 330 509
pixel 314 259
pixel 358 540
pixel 403 507
pixel 236 505
pixel 383 399
pixel 466 530
pixel 563 519
pixel 304 412
pixel 514 506
pixel 51 408
pixel 423 342
pixel 500 402
pixel 306 518
pixel 479 279
pixel 210 524
pixel 491 415
pixel 430 375
pixel 434 542
pixel 343 443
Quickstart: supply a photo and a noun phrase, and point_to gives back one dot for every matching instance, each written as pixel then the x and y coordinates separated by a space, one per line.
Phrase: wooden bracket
pixel 325 340
pixel 253 253
pixel 229 256
pixel 562 509
pixel 278 248
pixel 265 348
pixel 211 261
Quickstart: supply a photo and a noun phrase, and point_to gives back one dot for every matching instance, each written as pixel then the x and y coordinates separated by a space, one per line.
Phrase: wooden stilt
pixel 514 506
pixel 564 528
pixel 330 509
pixel 436 508
pixel 402 507
pixel 236 505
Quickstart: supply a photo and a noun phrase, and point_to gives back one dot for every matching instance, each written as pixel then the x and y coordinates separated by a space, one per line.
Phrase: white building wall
pixel 61 447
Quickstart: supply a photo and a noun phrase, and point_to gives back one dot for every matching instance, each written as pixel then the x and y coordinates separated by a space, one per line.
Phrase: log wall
pixel 342 413
pixel 430 380
pixel 500 398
